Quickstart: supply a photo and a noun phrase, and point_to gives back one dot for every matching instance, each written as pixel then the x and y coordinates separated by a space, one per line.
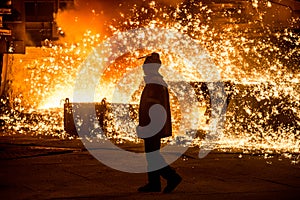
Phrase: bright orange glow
pixel 262 65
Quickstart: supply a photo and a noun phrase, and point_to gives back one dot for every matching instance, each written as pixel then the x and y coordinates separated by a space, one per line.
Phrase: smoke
pixel 84 16
pixel 93 16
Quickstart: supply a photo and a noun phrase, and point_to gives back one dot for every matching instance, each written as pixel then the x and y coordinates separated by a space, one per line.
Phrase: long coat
pixel 155 94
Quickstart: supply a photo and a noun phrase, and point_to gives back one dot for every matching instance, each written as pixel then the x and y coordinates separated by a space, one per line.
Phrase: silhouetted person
pixel 155 92
pixel 102 113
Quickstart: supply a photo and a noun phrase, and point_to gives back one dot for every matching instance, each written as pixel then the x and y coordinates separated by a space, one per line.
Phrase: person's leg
pixel 155 160
pixel 151 144
pixel 173 179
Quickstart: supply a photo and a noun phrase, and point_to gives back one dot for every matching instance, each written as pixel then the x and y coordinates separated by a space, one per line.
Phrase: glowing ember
pixel 262 64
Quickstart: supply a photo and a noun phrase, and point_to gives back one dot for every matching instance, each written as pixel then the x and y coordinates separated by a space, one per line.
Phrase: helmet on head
pixel 153 58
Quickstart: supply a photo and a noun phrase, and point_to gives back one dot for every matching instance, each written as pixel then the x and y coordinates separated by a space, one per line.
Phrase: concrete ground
pixel 47 168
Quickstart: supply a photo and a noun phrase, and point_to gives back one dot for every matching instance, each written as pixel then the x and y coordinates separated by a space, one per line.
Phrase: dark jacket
pixel 155 94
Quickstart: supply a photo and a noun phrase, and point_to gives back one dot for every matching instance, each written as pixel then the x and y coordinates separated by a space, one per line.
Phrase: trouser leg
pixel 156 161
pixel 153 145
pixel 168 173
pixel 154 178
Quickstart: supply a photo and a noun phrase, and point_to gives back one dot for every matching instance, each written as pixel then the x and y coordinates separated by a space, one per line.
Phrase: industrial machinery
pixel 26 23
pixel 12 33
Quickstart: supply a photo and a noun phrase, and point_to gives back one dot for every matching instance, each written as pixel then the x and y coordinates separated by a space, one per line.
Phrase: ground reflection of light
pixel 262 63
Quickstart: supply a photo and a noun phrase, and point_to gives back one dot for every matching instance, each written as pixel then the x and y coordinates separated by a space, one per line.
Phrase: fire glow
pixel 262 64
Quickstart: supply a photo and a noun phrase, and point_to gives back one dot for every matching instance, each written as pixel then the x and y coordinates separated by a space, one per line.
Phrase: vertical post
pixel 56 6
pixel 3 72
pixel 2 122
pixel 1 66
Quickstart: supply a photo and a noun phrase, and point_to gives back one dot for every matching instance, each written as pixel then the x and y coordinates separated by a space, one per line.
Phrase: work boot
pixel 150 188
pixel 154 184
pixel 172 183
